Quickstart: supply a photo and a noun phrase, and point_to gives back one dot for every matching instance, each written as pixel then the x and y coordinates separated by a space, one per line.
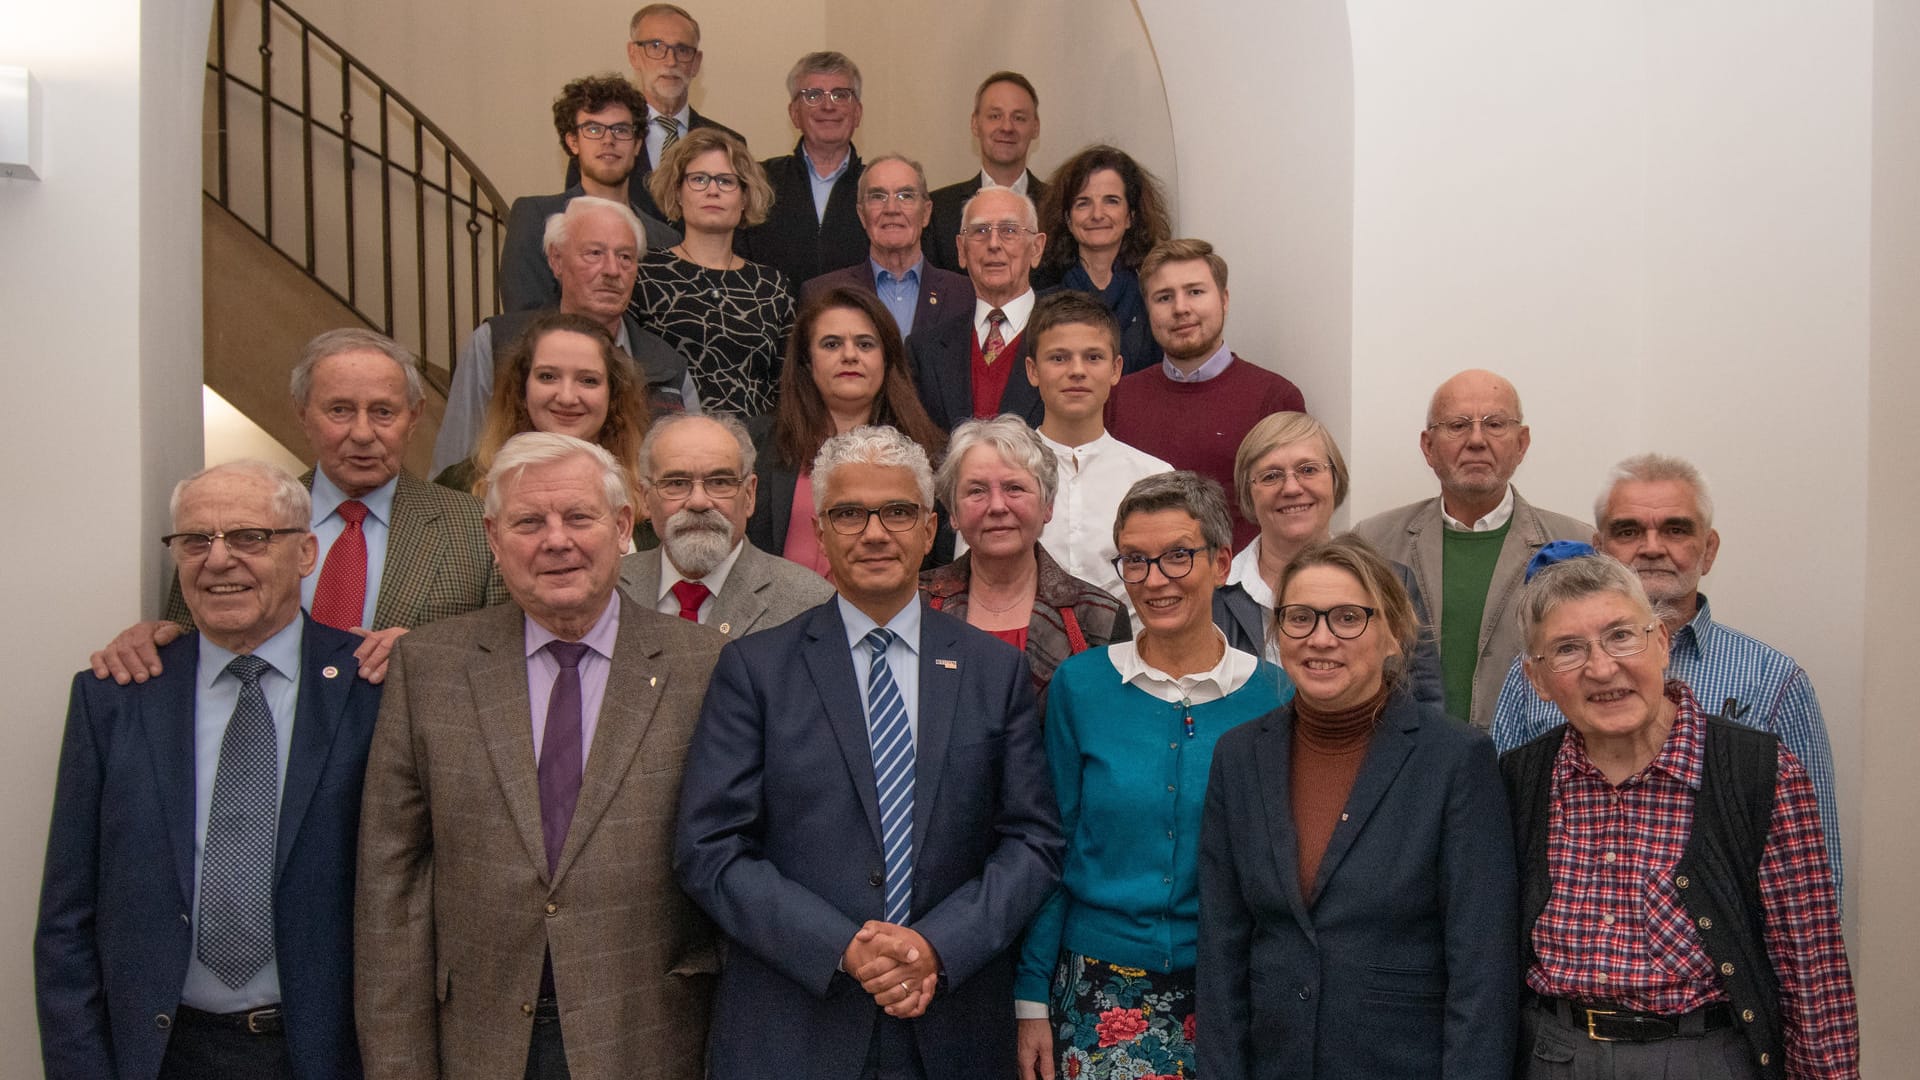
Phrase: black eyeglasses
pixel 1618 642
pixel 1493 427
pixel 597 131
pixel 839 95
pixel 193 545
pixel 725 181
pixel 717 486
pixel 1344 621
pixel 1174 563
pixel 850 520
pixel 655 49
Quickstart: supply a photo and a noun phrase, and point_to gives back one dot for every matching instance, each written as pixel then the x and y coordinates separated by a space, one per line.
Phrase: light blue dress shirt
pixel 216 692
pixel 1217 363
pixel 656 135
pixel 903 655
pixel 901 295
pixel 328 525
pixel 823 185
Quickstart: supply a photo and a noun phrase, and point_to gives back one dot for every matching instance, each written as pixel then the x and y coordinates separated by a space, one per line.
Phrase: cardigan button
pixel 1706 923
pixel 1747 1015
pixel 552 909
pixel 1726 969
pixel 163 1021
pixel 1681 881
pixel 1766 1058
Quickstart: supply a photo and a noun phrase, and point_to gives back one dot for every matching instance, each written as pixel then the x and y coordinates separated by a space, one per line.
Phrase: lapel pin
pixel 950 665
pixel 933 298
pixel 329 671
pixel 726 628
pixel 1343 817
pixel 653 680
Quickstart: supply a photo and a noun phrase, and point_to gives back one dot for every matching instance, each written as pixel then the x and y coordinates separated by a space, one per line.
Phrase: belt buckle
pixel 1593 1014
pixel 257 1016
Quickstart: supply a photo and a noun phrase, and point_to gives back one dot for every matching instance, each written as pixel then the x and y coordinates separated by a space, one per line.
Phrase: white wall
pixel 100 294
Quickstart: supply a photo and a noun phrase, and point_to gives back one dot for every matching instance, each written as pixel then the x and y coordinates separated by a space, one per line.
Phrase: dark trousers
pixel 1553 1048
pixel 199 1049
pixel 892 1054
pixel 547 1051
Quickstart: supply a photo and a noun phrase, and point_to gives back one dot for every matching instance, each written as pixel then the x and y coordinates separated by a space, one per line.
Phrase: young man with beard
pixel 698 482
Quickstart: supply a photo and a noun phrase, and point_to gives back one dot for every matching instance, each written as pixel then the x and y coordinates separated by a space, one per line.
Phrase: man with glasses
pixel 663 47
pixel 976 368
pixel 200 866
pixel 696 475
pixel 1469 547
pixel 865 810
pixel 1005 121
pixel 894 211
pixel 1656 516
pixel 595 118
pixel 814 226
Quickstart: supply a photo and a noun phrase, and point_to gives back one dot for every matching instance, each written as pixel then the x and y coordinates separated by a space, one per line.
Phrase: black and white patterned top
pixel 732 325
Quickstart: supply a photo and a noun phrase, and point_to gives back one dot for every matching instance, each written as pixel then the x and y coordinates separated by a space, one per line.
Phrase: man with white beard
pixel 696 473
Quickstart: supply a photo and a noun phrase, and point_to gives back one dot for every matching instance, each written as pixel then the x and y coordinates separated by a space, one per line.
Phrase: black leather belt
pixel 1604 1022
pixel 266 1020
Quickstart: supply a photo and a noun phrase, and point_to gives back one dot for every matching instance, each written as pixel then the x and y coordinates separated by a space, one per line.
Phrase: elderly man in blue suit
pixel 865 810
pixel 196 916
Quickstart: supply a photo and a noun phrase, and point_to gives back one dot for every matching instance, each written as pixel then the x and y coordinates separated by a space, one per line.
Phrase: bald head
pixel 1474 440
pixel 1473 384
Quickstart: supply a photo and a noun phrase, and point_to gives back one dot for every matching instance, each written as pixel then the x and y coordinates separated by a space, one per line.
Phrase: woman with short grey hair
pixel 998 482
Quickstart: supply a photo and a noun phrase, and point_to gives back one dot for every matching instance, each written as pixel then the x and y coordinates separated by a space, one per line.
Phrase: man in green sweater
pixel 1469 547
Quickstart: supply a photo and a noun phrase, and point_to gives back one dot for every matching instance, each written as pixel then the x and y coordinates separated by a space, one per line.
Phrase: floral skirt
pixel 1121 1022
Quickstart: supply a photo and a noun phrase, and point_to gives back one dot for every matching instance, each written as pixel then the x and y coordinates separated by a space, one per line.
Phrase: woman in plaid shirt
pixel 1678 918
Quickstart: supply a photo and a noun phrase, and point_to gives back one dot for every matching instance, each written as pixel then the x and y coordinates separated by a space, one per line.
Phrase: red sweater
pixel 1199 426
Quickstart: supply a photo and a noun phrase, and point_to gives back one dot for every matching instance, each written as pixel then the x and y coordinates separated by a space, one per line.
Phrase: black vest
pixel 1717 876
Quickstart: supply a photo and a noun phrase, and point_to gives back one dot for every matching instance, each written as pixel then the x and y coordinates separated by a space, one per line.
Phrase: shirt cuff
pixel 1029 1010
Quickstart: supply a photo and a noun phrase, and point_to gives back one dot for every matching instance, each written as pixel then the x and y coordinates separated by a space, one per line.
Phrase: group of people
pixel 919 671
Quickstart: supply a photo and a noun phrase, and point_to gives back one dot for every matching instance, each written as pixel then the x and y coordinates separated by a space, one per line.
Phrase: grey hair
pixel 354 339
pixel 727 421
pixel 1575 579
pixel 558 224
pixel 823 63
pixel 871 444
pixel 292 503
pixel 1182 489
pixel 1032 215
pixel 545 448
pixel 918 172
pixel 1017 444
pixel 1651 469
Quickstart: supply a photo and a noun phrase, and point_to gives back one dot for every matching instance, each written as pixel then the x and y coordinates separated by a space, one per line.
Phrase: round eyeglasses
pixel 1174 564
pixel 1618 642
pixel 1344 621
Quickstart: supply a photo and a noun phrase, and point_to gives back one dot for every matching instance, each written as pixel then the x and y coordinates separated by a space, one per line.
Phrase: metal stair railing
pixel 411 209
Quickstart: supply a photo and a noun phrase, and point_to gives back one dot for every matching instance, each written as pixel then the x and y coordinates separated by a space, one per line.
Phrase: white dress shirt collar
pixel 1496 518
pixel 1230 674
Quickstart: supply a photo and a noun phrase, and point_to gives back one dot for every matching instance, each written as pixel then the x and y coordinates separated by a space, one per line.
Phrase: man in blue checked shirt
pixel 1656 516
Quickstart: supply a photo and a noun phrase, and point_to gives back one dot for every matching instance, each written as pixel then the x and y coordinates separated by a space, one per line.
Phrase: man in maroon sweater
pixel 1195 407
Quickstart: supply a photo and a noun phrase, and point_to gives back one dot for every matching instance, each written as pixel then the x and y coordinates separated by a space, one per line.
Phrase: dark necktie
pixel 691 595
pixel 236 868
pixel 891 737
pixel 561 755
pixel 340 597
pixel 990 349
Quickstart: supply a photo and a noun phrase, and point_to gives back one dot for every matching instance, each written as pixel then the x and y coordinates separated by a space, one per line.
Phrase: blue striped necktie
pixel 892 739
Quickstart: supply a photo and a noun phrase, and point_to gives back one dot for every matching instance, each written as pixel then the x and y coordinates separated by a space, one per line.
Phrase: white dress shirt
pixel 1494 518
pixel 1017 310
pixel 668 604
pixel 1093 478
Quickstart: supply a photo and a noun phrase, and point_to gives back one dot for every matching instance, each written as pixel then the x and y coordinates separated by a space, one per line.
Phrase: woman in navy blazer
pixel 1357 886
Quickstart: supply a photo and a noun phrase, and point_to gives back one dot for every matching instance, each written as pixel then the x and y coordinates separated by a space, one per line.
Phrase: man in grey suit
pixel 516 912
pixel 696 473
pixel 1469 547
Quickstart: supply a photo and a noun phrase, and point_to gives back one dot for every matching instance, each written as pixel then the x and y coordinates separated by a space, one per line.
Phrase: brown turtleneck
pixel 1328 748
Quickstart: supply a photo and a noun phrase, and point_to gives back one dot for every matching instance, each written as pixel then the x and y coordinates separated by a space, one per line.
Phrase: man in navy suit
pixel 977 368
pixel 894 210
pixel 196 916
pixel 865 810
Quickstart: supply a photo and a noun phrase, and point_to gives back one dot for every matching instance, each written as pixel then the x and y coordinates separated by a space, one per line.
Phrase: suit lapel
pixel 635 682
pixel 1020 397
pixel 939 691
pixel 1385 755
pixel 497 680
pixel 1273 751
pixel 741 602
pixel 1427 528
pixel 316 720
pixel 1524 537
pixel 829 663
pixel 414 542
pixel 167 714
pixel 955 369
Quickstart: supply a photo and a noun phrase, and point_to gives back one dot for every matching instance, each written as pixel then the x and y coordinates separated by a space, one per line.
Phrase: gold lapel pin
pixel 653 680
pixel 329 671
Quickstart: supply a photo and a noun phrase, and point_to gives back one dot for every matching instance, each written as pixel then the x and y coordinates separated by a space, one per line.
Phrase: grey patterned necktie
pixel 236 869
pixel 670 128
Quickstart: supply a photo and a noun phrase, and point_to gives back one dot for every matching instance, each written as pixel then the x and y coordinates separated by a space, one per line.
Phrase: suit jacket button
pixel 876 879
pixel 163 1021
pixel 553 909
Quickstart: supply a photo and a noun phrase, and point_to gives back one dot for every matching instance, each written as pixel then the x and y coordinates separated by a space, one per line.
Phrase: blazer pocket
pixel 1405 986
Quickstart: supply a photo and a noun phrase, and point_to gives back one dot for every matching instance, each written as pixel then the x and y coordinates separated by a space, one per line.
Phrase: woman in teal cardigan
pixel 1106 981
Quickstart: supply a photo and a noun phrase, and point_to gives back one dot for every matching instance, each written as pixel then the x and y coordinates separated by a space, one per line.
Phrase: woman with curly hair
pixel 1102 213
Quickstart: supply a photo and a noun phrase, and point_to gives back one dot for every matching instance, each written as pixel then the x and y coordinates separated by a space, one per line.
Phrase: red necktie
pixel 340 599
pixel 990 348
pixel 691 595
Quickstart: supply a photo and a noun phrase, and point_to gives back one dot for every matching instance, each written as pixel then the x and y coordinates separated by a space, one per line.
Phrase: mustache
pixel 684 522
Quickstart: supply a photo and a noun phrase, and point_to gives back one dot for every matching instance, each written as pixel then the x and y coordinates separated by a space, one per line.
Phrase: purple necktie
pixel 560 751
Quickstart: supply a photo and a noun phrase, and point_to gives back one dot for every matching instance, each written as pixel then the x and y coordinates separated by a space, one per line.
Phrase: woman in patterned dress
pixel 728 316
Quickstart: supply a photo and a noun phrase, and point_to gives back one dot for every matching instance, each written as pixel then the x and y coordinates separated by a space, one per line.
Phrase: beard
pixel 697 541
